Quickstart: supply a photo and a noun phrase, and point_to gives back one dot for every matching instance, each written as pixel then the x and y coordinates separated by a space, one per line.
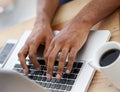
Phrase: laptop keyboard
pixel 53 85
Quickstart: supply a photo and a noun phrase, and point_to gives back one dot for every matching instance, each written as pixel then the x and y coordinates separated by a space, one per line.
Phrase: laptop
pixel 78 80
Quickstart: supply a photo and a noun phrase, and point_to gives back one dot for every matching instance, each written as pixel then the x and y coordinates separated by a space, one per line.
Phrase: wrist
pixel 42 21
pixel 42 25
pixel 82 22
pixel 79 25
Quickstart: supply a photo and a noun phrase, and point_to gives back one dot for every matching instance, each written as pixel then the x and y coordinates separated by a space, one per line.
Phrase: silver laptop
pixel 78 80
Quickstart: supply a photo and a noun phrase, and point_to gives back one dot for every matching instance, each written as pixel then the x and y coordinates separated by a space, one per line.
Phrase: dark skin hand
pixel 65 42
pixel 32 43
pixel 41 34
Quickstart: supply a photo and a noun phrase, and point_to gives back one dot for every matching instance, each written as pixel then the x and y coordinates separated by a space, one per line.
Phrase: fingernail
pixel 58 76
pixel 67 71
pixel 48 76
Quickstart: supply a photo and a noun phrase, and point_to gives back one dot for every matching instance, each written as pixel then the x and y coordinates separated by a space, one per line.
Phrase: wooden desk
pixel 99 83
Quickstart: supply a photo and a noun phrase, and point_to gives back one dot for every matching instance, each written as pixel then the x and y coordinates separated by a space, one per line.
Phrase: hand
pixel 68 42
pixel 41 34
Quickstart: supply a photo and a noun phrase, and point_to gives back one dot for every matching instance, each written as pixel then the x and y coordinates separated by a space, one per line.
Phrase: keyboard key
pixel 63 81
pixel 39 78
pixel 53 80
pixel 48 80
pixel 55 69
pixel 22 71
pixel 54 74
pixel 79 65
pixel 44 79
pixel 63 87
pixel 43 84
pixel 38 72
pixel 52 86
pixel 56 63
pixel 31 71
pixel 41 62
pixel 58 81
pixel 72 76
pixel 70 82
pixel 44 73
pixel 57 86
pixel 30 76
pixel 40 83
pixel 35 77
pixel 76 71
pixel 32 67
pixel 65 76
pixel 43 67
pixel 18 66
pixel 48 85
pixel 68 88
pixel 18 70
pixel 29 66
pixel 75 65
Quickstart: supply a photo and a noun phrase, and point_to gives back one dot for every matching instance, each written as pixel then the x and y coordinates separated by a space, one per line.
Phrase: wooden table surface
pixel 65 13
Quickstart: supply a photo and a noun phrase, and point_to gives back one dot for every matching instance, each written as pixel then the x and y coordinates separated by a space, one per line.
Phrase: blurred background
pixel 13 12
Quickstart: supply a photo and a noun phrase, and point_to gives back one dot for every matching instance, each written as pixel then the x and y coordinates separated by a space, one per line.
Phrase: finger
pixel 22 55
pixel 51 61
pixel 47 44
pixel 33 57
pixel 48 51
pixel 71 59
pixel 62 62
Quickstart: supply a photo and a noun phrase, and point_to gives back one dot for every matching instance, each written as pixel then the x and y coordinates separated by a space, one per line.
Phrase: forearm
pixel 46 10
pixel 94 11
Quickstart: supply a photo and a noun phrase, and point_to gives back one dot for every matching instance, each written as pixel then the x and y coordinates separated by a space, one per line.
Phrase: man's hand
pixel 68 42
pixel 40 35
pixel 72 37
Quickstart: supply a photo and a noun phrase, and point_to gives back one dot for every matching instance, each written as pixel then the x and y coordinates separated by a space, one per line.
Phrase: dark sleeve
pixel 64 1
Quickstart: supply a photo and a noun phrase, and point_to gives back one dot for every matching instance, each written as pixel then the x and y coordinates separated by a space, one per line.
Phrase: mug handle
pixel 93 65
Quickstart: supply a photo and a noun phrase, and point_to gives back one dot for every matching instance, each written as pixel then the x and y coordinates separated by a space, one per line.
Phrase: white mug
pixel 107 61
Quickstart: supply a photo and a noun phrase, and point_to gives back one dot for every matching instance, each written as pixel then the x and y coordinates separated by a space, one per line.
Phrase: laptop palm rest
pixel 18 83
